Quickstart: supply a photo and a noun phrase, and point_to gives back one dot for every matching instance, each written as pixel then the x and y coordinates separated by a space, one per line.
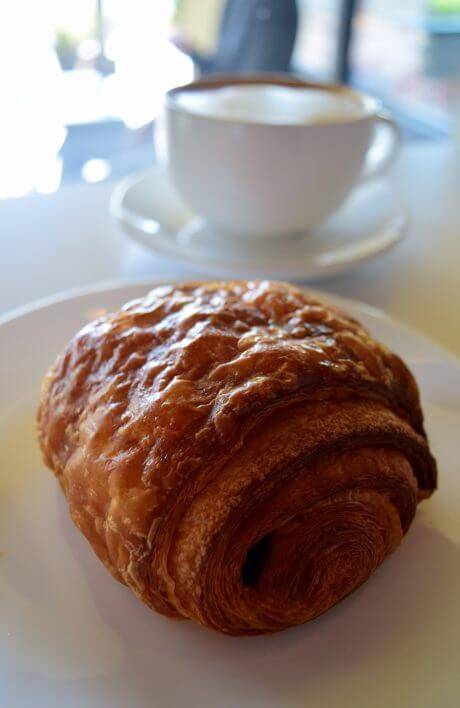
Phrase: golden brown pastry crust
pixel 238 453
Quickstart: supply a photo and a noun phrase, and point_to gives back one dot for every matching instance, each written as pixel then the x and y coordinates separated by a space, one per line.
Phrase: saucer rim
pixel 151 234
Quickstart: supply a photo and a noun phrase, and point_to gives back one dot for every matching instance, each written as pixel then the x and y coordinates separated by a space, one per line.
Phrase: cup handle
pixel 383 148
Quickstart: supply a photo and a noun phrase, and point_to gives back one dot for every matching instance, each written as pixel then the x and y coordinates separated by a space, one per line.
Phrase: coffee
pixel 271 104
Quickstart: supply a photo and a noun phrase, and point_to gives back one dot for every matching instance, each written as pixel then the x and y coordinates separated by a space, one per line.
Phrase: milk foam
pixel 271 104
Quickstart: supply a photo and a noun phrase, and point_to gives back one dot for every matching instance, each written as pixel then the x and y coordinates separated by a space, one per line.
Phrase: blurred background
pixel 82 81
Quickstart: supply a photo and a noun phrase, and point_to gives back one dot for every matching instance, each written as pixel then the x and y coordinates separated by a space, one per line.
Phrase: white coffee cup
pixel 267 175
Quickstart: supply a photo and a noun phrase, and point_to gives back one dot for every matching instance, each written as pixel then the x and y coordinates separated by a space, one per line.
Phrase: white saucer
pixel 369 223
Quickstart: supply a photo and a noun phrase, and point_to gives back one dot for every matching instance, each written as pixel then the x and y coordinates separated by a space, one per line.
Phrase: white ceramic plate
pixel 370 222
pixel 71 636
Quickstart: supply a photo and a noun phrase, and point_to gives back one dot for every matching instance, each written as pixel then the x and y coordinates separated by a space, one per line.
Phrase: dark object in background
pixel 347 12
pixel 255 35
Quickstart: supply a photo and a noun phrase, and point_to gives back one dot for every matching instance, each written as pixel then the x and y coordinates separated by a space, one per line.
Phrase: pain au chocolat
pixel 237 453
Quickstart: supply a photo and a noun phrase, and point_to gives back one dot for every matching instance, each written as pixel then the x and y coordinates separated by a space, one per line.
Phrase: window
pixel 85 80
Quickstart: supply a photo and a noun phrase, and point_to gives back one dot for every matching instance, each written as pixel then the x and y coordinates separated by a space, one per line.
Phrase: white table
pixel 53 243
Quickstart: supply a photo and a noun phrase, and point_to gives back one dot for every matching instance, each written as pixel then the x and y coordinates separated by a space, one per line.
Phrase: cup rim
pixel 371 105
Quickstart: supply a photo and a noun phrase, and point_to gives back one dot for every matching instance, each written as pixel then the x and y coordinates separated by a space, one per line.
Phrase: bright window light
pixel 96 170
